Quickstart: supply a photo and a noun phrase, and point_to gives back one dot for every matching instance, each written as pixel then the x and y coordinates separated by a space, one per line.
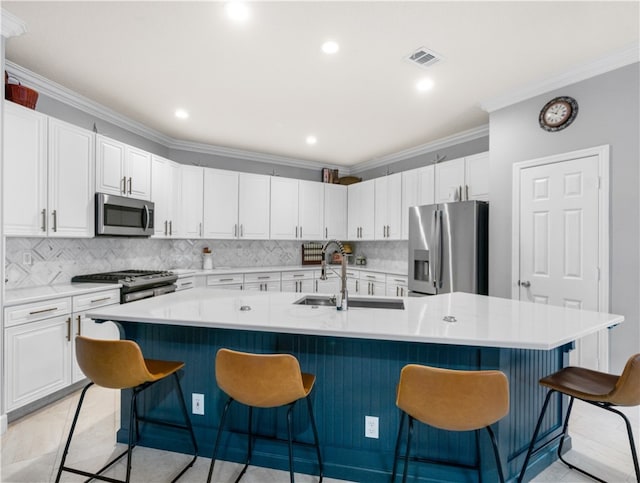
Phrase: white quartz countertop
pixel 479 320
pixel 18 296
pixel 283 268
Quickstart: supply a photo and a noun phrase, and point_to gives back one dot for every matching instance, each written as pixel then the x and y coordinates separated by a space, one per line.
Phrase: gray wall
pixel 609 113
pixel 468 148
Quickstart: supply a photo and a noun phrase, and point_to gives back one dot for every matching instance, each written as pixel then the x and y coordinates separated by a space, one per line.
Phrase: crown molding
pixel 461 137
pixel 12 26
pixel 247 155
pixel 626 56
pixel 84 104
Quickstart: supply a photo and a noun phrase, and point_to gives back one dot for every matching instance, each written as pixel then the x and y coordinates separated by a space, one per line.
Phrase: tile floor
pixel 31 447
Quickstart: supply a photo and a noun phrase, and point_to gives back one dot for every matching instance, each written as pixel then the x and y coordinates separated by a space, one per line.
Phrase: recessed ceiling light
pixel 311 140
pixel 182 114
pixel 237 11
pixel 330 47
pixel 425 84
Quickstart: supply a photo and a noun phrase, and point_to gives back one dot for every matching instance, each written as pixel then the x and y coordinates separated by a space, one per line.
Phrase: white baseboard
pixel 3 423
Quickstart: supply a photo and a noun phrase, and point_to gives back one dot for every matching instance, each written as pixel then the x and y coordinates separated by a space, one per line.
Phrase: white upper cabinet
pixel 463 179
pixel 477 177
pixel 361 208
pixel 236 205
pixel 165 194
pixel 220 219
pixel 122 170
pixel 388 207
pixel 24 187
pixel 297 209
pixel 417 190
pixel 71 180
pixel 48 176
pixel 191 202
pixel 335 211
pixel 284 209
pixel 253 208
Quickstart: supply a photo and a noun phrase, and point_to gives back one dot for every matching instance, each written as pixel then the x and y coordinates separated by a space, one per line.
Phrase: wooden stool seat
pixel 119 364
pixel 263 381
pixel 451 400
pixel 598 389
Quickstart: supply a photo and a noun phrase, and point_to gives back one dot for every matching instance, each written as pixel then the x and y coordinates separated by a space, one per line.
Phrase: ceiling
pixel 265 85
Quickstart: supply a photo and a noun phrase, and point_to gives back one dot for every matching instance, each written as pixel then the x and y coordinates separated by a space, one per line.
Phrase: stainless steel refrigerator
pixel 448 248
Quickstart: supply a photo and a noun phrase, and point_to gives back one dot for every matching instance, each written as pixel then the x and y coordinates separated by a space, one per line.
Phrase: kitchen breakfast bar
pixel 356 356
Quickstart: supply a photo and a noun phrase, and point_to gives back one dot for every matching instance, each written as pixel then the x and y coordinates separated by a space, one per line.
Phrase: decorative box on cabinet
pixel 57 161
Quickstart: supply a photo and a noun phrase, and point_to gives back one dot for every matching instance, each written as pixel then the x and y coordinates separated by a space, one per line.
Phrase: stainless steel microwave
pixel 120 216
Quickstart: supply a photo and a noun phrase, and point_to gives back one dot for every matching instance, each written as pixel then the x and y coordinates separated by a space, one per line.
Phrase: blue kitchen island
pixel 357 356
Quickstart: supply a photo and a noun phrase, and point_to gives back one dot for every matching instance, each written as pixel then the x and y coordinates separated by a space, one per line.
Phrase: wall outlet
pixel 26 258
pixel 197 403
pixel 371 427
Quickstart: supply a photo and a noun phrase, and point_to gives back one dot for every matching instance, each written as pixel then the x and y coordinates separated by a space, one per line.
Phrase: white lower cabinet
pixel 263 281
pixel 231 281
pixel 37 360
pixel 372 283
pixel 397 286
pixel 298 281
pixel 39 354
pixel 185 283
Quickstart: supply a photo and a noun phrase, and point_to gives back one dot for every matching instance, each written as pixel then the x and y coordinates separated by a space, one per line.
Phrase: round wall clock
pixel 558 113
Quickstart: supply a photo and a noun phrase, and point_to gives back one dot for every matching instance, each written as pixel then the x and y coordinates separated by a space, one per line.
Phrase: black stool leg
pixel 189 426
pixel 396 453
pixel 565 427
pixel 406 455
pixel 496 453
pixel 634 451
pixel 315 436
pixel 215 448
pixel 249 445
pixel 133 425
pixel 73 428
pixel 290 440
pixel 535 435
pixel 477 436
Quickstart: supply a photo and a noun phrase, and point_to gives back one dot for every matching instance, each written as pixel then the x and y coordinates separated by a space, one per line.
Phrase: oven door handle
pixel 145 217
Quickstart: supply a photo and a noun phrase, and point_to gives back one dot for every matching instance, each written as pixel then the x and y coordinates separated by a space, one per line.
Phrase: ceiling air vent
pixel 423 57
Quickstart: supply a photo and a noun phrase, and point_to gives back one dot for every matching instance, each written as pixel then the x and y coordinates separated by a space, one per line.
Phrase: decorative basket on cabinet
pixel 19 94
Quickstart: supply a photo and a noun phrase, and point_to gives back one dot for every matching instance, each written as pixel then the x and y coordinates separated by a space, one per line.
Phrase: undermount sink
pixel 354 302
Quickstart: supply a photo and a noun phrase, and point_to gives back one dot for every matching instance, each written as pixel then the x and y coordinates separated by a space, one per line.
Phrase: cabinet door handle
pixel 300 231
pixel 296 232
pixel 54 215
pixel 69 329
pixel 235 230
pixel 357 284
pixel 79 319
pixel 466 187
pixel 316 285
pixel 130 184
pixel 166 229
pixel 51 309
pixel 326 232
pixel 170 227
pixel 44 220
pixel 225 280
pixel 200 229
pixel 241 230
pixel 397 290
pixel 103 299
pixel 124 185
pixel 266 277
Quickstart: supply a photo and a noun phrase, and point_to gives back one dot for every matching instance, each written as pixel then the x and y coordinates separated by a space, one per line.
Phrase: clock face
pixel 558 113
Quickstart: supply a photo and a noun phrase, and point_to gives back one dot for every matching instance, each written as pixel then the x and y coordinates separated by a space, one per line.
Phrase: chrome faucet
pixel 341 304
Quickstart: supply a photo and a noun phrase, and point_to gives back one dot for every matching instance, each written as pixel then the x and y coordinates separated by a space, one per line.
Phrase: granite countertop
pixel 18 296
pixel 479 320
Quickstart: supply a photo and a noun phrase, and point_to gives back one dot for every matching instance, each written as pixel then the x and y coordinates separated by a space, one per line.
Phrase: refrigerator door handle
pixel 437 281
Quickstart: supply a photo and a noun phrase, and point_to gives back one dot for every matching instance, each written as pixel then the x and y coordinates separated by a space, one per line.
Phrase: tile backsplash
pixel 42 261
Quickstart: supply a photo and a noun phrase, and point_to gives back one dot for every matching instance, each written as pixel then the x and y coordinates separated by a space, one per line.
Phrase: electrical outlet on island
pixel 197 403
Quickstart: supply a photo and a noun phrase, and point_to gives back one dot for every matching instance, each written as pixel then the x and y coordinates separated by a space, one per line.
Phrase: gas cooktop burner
pixel 130 278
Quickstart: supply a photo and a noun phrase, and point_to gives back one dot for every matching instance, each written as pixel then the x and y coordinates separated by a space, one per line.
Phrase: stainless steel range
pixel 136 284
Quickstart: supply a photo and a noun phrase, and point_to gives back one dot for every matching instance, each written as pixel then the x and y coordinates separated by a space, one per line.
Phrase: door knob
pixel 525 284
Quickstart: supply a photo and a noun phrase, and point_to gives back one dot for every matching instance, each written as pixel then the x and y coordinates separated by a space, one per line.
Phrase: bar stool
pixel 598 389
pixel 451 400
pixel 263 381
pixel 119 364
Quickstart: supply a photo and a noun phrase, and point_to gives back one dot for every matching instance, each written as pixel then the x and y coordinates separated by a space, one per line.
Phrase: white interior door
pixel 559 243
